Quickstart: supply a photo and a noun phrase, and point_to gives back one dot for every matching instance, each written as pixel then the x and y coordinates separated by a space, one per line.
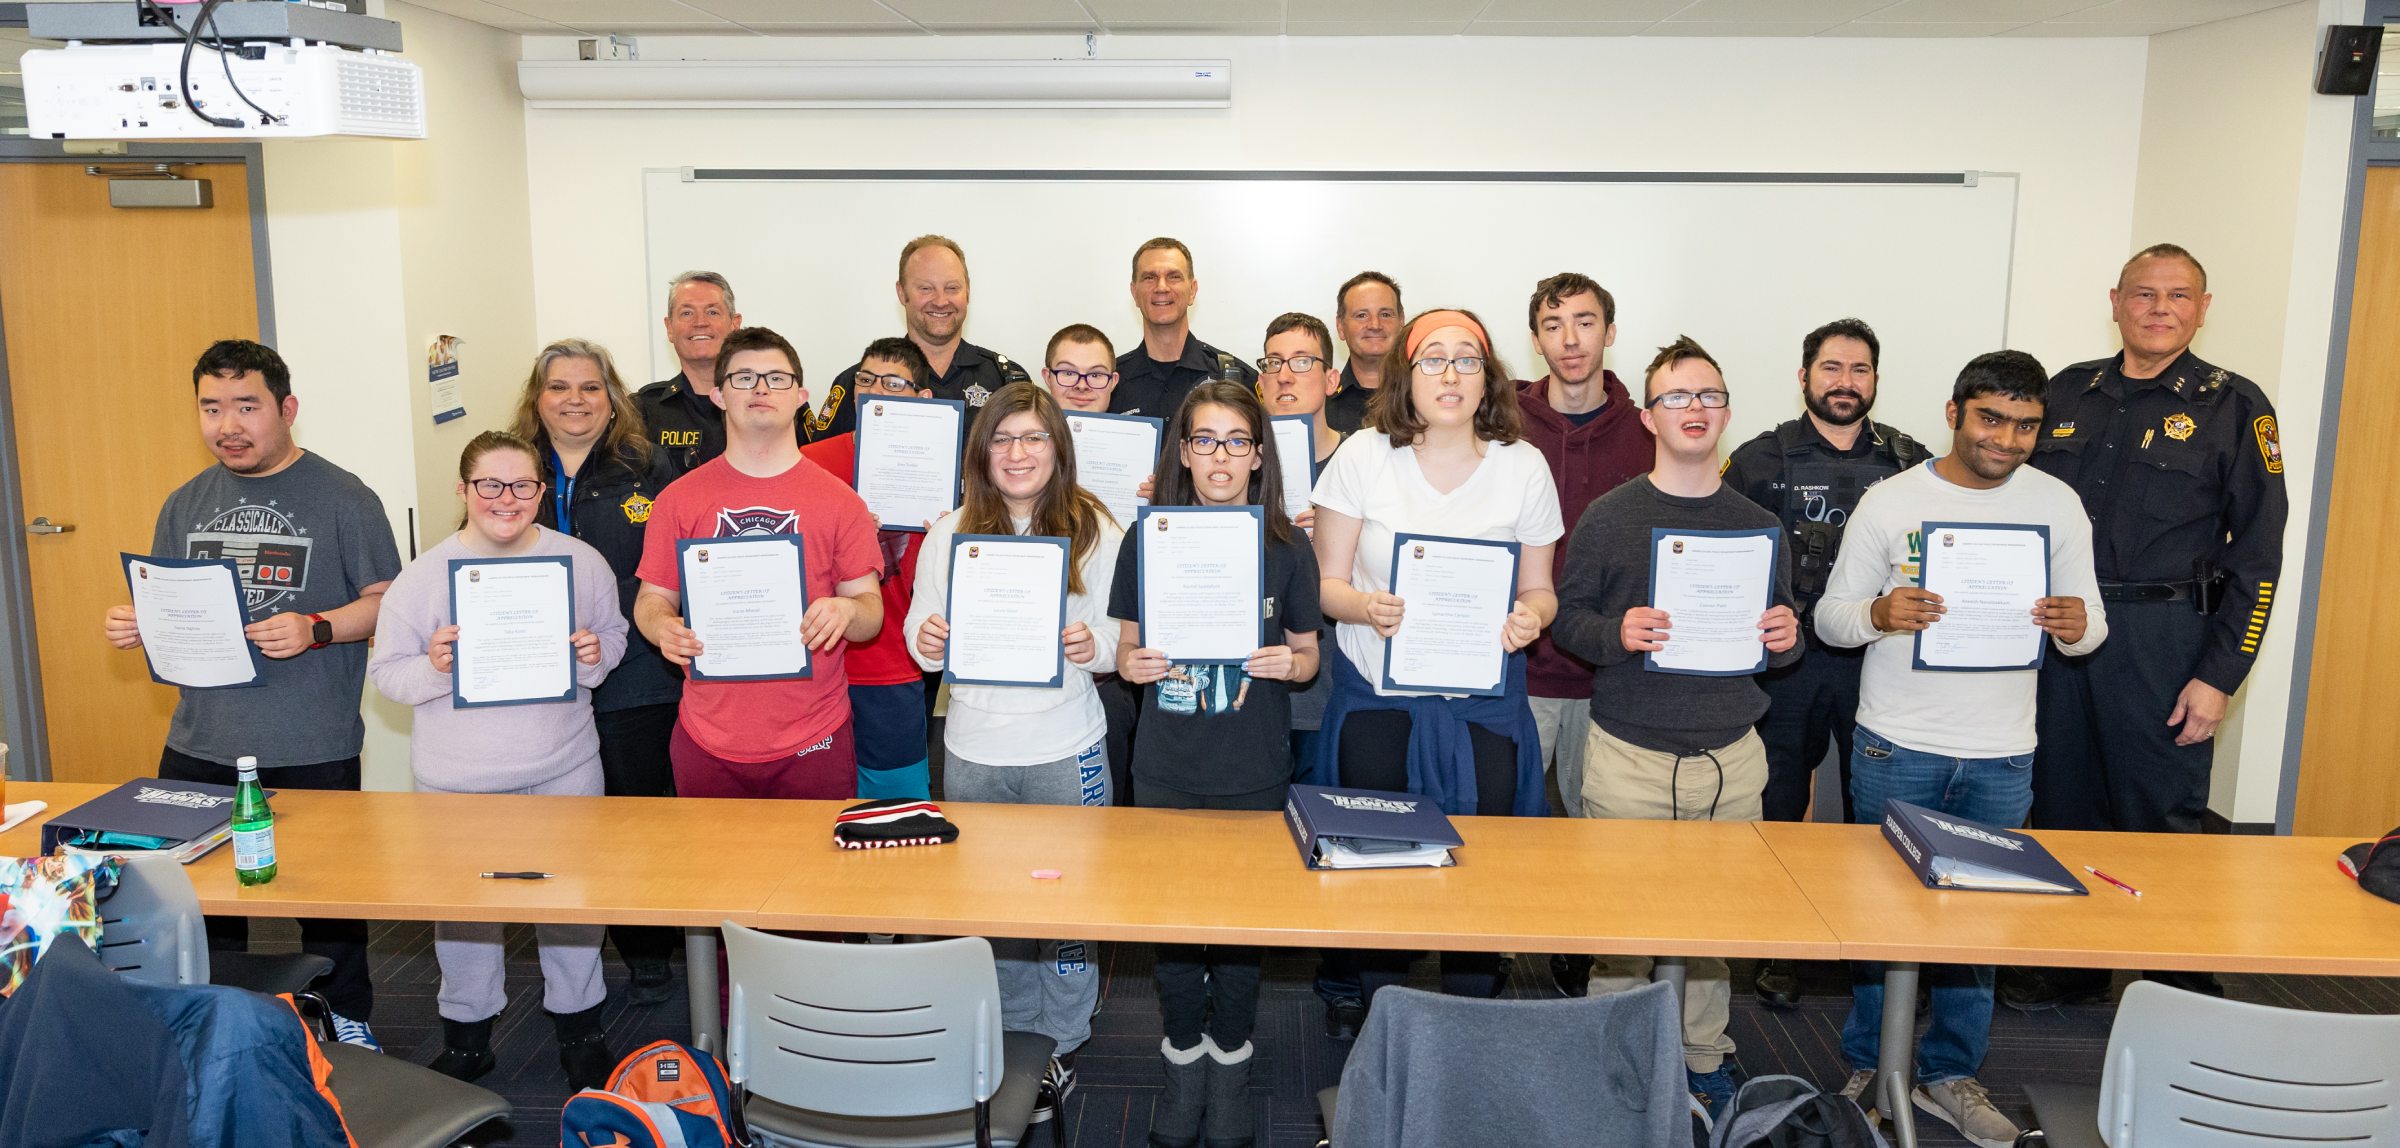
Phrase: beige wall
pixel 2245 165
pixel 378 246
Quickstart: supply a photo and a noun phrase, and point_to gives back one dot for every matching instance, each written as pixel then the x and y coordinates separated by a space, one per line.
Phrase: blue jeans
pixel 1993 790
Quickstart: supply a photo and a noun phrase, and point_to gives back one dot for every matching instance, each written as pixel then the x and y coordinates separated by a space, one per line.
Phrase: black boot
pixel 466 1048
pixel 1777 984
pixel 1175 1123
pixel 653 982
pixel 1229 1122
pixel 583 1048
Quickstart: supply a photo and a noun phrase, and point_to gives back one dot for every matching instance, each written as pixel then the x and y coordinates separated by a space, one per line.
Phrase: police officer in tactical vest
pixel 1810 472
pixel 2181 470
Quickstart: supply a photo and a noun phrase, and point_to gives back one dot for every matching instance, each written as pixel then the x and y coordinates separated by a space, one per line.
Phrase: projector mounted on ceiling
pixel 876 83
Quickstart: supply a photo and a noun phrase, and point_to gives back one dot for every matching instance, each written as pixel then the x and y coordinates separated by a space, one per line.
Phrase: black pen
pixel 526 876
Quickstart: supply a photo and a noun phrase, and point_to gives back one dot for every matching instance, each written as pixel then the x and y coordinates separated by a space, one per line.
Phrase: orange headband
pixel 1431 321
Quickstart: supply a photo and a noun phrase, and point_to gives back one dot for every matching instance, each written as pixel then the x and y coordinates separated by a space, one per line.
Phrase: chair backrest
pixel 863 1030
pixel 150 926
pixel 2186 1069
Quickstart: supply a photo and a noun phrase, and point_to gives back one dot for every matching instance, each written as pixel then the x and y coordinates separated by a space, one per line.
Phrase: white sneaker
pixel 1965 1105
pixel 1860 1090
pixel 355 1032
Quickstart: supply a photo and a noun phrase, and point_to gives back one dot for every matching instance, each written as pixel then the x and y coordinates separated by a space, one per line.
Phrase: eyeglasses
pixel 1677 400
pixel 522 488
pixel 775 380
pixel 1080 380
pixel 1300 364
pixel 1435 364
pixel 888 384
pixel 1210 444
pixel 1034 442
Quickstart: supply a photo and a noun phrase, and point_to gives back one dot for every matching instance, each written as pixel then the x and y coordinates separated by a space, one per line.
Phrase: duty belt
pixel 2149 591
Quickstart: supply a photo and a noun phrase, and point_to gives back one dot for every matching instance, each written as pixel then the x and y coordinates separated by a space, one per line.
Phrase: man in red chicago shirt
pixel 786 737
pixel 887 691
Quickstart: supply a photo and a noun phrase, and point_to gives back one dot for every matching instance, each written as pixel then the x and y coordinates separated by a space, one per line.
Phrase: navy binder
pixel 186 818
pixel 1368 829
pixel 1954 853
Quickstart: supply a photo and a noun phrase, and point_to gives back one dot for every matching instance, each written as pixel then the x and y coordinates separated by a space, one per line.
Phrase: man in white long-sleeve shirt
pixel 1957 743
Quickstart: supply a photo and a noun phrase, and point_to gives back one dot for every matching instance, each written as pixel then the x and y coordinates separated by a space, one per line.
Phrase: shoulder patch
pixel 2270 449
pixel 822 421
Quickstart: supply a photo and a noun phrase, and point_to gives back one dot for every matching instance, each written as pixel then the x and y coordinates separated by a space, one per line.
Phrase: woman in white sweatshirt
pixel 1039 745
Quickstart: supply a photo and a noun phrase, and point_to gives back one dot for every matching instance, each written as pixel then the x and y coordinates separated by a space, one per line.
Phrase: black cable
pixel 209 16
pixel 191 40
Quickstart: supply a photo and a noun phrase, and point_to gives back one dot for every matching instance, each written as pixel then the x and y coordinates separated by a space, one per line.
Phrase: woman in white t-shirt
pixel 1443 457
pixel 1031 745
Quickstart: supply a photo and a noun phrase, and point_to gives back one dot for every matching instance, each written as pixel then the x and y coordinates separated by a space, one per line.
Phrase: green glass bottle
pixel 253 828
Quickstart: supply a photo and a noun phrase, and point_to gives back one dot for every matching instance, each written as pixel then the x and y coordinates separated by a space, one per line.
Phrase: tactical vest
pixel 1816 492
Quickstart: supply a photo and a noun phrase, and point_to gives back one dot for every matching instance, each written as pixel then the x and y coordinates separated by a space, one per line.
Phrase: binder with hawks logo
pixel 1368 829
pixel 1954 853
pixel 184 818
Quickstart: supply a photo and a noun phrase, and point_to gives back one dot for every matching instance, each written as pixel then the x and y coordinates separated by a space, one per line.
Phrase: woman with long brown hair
pixel 1034 745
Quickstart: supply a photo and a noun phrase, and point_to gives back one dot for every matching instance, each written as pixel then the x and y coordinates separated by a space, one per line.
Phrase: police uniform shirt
pixel 2174 470
pixel 973 375
pixel 1799 476
pixel 688 427
pixel 1146 386
pixel 1346 411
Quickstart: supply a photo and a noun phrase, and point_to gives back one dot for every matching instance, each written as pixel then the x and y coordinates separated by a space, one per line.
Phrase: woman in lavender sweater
pixel 548 748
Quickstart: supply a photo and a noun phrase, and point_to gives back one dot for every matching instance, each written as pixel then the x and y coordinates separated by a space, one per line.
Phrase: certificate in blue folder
pixel 1989 575
pixel 1714 586
pixel 516 621
pixel 744 595
pixel 191 612
pixel 1458 592
pixel 1007 609
pixel 1202 579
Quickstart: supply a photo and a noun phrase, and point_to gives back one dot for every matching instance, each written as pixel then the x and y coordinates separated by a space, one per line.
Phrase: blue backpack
pixel 662 1095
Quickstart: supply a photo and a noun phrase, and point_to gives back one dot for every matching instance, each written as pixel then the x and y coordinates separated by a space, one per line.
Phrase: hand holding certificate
pixel 1114 456
pixel 516 622
pixel 190 615
pixel 1203 575
pixel 1456 595
pixel 908 459
pixel 1007 611
pixel 1715 587
pixel 1987 580
pixel 744 598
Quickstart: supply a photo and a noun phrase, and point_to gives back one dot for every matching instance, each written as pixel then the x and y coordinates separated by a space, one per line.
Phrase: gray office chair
pixel 877 1046
pixel 2186 1069
pixel 151 930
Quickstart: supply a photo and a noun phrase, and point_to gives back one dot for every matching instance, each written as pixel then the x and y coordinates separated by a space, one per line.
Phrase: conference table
pixel 1670 890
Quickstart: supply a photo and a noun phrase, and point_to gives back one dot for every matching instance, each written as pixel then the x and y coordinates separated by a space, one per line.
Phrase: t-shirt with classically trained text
pixel 765 721
pixel 303 540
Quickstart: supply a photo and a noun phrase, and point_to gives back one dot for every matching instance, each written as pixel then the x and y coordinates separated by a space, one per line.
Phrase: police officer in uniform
pixel 1810 472
pixel 2180 468
pixel 1153 378
pixel 933 290
pixel 681 414
pixel 1368 317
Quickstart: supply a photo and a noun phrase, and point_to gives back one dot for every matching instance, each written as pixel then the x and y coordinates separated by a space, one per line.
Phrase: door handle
pixel 43 525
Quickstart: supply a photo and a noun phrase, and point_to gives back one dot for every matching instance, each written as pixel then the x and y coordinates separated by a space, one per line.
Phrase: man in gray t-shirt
pixel 314 552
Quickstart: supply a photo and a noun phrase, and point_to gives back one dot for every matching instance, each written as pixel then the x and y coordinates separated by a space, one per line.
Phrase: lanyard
pixel 562 494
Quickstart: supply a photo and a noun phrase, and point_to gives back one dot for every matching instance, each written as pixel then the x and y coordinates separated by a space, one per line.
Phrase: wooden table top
pixel 2209 902
pixel 1521 884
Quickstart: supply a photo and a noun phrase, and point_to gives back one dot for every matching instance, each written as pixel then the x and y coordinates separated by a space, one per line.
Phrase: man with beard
pixel 1810 472
pixel 933 289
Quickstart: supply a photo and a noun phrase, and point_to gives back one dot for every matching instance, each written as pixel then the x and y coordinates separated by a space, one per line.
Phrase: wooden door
pixel 2348 784
pixel 105 310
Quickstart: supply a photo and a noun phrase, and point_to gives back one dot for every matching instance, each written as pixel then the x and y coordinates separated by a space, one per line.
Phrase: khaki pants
pixel 1564 723
pixel 1623 780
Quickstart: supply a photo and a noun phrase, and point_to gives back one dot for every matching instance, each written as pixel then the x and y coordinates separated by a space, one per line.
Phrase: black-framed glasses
pixel 1677 400
pixel 1300 364
pixel 774 380
pixel 523 488
pixel 1080 380
pixel 887 384
pixel 1236 447
pixel 1436 364
pixel 1035 442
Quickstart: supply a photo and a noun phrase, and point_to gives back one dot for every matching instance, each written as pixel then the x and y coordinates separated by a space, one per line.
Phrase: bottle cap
pixel 245 764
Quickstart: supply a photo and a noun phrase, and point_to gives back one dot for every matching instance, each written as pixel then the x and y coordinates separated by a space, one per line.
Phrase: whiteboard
pixel 1745 267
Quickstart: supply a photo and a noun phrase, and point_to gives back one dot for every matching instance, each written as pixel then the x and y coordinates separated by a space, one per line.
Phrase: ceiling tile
pixel 1298 27
pixel 2096 28
pixel 1558 27
pixel 1185 13
pixel 1740 27
pixel 587 13
pixel 1974 11
pixel 1880 29
pixel 1011 13
pixel 800 12
pixel 1580 11
pixel 1379 11
pixel 484 12
pixel 666 28
pixel 2185 13
pixel 773 28
pixel 1186 27
pixel 1825 13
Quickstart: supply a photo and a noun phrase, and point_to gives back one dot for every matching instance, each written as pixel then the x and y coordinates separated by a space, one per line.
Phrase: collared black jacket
pixel 1146 386
pixel 687 428
pixel 1346 411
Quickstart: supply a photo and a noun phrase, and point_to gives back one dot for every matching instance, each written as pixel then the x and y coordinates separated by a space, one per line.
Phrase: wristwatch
pixel 320 632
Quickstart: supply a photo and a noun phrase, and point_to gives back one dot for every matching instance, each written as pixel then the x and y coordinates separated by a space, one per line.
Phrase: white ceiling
pixel 1352 17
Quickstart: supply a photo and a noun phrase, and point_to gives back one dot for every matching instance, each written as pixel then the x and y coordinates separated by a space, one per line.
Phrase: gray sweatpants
pixel 1048 987
pixel 470 953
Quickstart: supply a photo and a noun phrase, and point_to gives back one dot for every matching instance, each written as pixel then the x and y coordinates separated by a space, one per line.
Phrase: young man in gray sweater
pixel 1670 745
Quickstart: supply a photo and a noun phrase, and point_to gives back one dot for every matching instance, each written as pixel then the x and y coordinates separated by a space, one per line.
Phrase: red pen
pixel 2113 881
